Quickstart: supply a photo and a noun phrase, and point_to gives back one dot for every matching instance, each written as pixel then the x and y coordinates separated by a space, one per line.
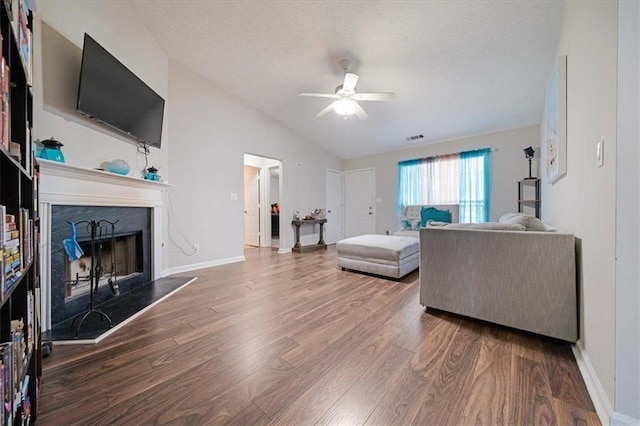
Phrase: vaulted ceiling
pixel 458 68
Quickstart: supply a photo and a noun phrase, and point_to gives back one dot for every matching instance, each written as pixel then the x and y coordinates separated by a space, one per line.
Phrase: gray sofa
pixel 520 279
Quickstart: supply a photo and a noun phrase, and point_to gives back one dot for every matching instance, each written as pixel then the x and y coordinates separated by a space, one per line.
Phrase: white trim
pixel 64 170
pixel 284 250
pixel 202 265
pixel 594 386
pixel 621 420
pixel 69 199
pixel 123 323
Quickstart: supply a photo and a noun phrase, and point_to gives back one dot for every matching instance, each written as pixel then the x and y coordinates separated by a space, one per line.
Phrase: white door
pixel 251 201
pixel 359 202
pixel 335 209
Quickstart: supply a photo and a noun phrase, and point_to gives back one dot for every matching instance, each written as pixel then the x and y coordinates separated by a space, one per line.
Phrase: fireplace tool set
pixel 101 231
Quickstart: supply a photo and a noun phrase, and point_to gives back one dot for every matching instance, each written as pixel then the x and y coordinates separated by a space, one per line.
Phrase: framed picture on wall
pixel 554 125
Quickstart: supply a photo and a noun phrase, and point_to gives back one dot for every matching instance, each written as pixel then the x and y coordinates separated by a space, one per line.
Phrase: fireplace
pixel 124 256
pixel 80 193
pixel 117 258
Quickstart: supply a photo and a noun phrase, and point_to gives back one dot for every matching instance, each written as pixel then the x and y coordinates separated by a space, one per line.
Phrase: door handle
pixel 370 213
pixel 328 211
pixel 245 212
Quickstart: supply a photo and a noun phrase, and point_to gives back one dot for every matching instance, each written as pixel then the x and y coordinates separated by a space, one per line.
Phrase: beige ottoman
pixel 388 255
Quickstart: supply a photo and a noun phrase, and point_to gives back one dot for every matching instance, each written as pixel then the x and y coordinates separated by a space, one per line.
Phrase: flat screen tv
pixel 110 93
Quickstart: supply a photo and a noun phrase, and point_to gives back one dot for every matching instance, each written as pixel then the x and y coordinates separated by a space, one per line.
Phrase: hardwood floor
pixel 291 339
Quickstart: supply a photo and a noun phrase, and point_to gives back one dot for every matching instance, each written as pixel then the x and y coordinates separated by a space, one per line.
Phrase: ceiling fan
pixel 346 96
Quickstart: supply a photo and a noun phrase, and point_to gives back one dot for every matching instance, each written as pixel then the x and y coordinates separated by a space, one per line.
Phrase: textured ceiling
pixel 458 68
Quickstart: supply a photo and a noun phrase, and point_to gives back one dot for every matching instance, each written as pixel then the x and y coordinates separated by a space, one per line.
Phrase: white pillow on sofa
pixel 530 223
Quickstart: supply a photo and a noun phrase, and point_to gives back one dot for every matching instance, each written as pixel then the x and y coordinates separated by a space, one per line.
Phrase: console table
pixel 300 248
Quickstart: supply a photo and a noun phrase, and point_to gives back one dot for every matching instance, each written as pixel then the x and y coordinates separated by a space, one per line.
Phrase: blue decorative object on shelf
pixel 52 151
pixel 152 174
pixel 120 167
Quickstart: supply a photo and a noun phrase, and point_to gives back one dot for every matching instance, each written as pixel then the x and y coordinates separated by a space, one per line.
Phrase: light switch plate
pixel 234 196
pixel 600 153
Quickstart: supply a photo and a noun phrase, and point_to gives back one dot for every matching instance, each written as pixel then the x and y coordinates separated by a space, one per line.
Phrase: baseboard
pixel 594 386
pixel 282 251
pixel 621 420
pixel 202 265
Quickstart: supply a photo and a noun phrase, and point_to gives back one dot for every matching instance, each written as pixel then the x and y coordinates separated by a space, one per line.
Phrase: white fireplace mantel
pixel 65 184
pixel 62 183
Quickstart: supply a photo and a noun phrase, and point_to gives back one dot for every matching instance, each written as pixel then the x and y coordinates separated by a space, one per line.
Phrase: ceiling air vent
pixel 414 138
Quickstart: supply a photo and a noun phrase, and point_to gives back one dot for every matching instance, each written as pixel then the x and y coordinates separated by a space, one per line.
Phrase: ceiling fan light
pixel 345 107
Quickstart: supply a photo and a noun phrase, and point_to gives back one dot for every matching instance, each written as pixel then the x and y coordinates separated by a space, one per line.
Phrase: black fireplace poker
pixel 96 229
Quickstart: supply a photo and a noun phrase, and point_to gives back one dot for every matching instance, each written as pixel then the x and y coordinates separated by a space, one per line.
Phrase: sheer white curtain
pixel 462 178
pixel 446 180
pixel 433 180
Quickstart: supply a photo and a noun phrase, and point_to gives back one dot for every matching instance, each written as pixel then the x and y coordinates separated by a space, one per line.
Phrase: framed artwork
pixel 554 125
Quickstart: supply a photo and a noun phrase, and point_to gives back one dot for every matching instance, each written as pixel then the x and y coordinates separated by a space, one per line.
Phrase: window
pixel 462 179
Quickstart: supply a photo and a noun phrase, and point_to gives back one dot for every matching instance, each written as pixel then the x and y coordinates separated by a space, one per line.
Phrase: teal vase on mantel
pixel 52 151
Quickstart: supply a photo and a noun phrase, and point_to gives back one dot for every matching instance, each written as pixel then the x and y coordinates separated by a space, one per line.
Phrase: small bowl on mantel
pixel 120 167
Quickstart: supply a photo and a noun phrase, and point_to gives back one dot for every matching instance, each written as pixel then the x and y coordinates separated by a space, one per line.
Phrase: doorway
pixel 359 202
pixel 251 206
pixel 266 196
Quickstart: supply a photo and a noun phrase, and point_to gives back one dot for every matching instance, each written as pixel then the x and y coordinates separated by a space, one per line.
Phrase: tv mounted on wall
pixel 110 93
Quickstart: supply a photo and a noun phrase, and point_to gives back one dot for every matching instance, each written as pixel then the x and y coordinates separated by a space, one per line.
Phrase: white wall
pixel 59 34
pixel 58 38
pixel 583 202
pixel 508 166
pixel 627 374
pixel 210 131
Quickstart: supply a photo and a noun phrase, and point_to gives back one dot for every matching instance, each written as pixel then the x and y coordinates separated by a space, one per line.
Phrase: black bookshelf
pixel 20 338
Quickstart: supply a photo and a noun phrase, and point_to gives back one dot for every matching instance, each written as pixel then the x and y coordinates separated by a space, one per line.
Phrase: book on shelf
pixel 5 122
pixel 6 358
pixel 19 22
pixel 28 151
pixel 19 346
pixel 26 244
pixel 2 410
pixel 25 401
pixel 3 213
pixel 23 234
pixel 11 253
pixel 36 319
pixel 30 322
pixel 15 151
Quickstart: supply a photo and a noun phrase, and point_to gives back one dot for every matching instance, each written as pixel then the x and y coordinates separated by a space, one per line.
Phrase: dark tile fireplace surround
pixel 131 221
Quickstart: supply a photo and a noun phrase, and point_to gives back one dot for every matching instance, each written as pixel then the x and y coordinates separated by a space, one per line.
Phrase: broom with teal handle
pixel 71 246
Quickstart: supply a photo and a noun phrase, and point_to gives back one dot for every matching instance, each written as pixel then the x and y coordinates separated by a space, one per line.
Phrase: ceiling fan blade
pixel 359 111
pixel 326 110
pixel 381 96
pixel 350 80
pixel 319 95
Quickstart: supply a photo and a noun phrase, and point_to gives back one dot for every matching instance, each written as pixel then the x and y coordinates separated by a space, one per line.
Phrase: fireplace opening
pixel 132 262
pixel 120 258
